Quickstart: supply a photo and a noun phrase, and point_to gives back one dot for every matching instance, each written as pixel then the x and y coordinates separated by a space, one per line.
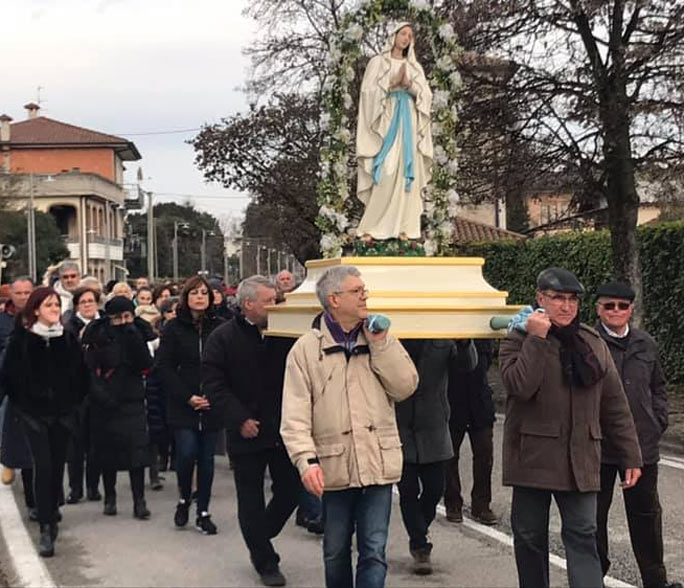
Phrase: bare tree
pixel 600 89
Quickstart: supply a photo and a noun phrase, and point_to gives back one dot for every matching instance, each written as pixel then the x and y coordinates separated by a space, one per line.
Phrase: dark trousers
pixel 27 483
pixel 366 511
pixel 78 457
pixel 420 489
pixel 530 524
pixel 644 519
pixel 136 476
pixel 259 522
pixel 481 443
pixel 195 447
pixel 48 446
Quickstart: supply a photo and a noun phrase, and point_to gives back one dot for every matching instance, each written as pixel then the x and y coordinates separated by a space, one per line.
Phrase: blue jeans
pixel 195 447
pixel 368 511
pixel 310 507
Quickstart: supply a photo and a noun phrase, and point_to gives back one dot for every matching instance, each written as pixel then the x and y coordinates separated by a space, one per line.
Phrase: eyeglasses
pixel 613 305
pixel 360 291
pixel 70 276
pixel 560 298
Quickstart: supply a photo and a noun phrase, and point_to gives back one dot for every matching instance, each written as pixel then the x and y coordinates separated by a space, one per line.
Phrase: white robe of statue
pixel 391 210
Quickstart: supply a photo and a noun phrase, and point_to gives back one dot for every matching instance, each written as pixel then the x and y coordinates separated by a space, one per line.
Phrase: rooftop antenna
pixel 39 100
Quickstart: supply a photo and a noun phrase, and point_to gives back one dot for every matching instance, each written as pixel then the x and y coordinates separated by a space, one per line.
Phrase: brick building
pixel 76 175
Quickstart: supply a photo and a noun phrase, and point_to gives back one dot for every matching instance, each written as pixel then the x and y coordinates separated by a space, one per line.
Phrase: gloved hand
pixel 519 321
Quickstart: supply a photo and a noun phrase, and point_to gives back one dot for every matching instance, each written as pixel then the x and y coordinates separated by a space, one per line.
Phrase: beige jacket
pixel 342 412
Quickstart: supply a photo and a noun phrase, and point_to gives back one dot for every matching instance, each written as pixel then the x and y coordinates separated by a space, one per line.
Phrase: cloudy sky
pixel 134 68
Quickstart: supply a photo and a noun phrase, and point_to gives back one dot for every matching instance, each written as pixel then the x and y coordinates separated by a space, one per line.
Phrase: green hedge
pixel 513 266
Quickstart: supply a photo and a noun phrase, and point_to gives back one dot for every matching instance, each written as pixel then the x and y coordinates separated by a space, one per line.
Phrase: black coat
pixel 178 367
pixel 44 378
pixel 423 418
pixel 470 396
pixel 117 358
pixel 247 370
pixel 637 361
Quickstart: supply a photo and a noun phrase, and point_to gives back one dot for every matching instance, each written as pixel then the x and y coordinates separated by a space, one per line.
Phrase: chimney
pixel 32 108
pixel 5 127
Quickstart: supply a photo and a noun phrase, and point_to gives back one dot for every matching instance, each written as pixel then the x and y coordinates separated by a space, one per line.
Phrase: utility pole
pixel 176 224
pixel 241 269
pixel 150 237
pixel 268 261
pixel 31 232
pixel 203 252
pixel 258 259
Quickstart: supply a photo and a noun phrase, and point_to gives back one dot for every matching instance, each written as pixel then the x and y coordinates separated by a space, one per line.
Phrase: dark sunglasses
pixel 612 305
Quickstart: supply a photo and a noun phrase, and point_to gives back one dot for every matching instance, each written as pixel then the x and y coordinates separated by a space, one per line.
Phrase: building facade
pixel 76 175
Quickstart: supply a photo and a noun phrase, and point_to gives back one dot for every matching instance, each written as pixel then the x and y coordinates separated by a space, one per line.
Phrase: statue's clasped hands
pixel 401 80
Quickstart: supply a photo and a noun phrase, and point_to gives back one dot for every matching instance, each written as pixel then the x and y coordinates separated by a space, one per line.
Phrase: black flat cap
pixel 616 290
pixel 119 304
pixel 560 280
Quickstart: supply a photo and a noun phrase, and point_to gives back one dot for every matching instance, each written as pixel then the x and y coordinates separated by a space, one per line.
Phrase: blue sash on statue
pixel 402 114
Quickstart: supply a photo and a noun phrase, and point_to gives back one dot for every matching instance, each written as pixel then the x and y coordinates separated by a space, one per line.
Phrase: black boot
pixel 140 510
pixel 54 530
pixel 46 545
pixel 110 505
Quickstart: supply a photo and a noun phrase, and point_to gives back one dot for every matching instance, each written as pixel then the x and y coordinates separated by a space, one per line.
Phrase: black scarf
pixel 580 366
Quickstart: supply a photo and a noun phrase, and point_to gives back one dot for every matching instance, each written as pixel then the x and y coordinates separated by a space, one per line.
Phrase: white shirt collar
pixel 614 334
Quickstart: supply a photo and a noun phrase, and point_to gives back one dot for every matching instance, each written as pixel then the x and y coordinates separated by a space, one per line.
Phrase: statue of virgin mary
pixel 393 140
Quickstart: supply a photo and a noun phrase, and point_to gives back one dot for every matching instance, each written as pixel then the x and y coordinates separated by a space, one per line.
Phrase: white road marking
pixel 27 566
pixel 507 540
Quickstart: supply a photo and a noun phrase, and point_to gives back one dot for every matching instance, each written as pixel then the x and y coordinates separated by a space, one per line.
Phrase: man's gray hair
pixel 332 281
pixel 248 288
pixel 65 266
pixel 22 279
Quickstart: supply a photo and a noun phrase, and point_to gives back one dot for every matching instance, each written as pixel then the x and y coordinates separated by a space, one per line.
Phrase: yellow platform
pixel 425 297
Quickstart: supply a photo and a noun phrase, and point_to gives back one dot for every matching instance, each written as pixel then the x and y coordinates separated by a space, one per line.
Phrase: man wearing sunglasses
pixel 636 357
pixel 563 394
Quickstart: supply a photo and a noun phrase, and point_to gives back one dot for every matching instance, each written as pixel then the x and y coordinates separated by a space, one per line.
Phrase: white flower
pixel 344 135
pixel 420 4
pixel 453 210
pixel 328 84
pixel 454 111
pixel 341 221
pixel 446 31
pixel 334 55
pixel 430 247
pixel 447 229
pixel 325 121
pixel 340 168
pixel 440 155
pixel 325 168
pixel 436 129
pixel 445 63
pixel 429 207
pixel 354 33
pixel 440 99
pixel 453 197
pixel 452 166
pixel 350 74
pixel 347 100
pixel 456 80
pixel 331 245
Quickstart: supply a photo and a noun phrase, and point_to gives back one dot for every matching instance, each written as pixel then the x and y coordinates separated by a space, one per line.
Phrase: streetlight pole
pixel 31 232
pixel 203 252
pixel 150 237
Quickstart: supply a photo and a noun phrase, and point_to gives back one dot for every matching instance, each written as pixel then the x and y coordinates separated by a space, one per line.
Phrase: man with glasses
pixel 69 281
pixel 339 425
pixel 636 358
pixel 563 396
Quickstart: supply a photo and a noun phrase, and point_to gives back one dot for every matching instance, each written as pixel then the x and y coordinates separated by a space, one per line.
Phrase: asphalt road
pixel 671 484
pixel 94 550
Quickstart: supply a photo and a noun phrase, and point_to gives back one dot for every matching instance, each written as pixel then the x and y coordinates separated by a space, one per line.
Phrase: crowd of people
pixel 136 377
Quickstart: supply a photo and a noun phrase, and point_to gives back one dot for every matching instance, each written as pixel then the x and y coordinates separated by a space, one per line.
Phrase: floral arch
pixel 440 197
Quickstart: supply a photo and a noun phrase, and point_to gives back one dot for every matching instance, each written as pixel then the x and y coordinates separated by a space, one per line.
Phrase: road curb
pixel 25 567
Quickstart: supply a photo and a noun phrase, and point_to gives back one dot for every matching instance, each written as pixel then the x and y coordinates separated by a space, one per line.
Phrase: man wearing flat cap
pixel 636 358
pixel 563 395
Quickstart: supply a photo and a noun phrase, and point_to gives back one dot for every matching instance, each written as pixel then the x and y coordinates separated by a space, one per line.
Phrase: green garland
pixel 440 197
